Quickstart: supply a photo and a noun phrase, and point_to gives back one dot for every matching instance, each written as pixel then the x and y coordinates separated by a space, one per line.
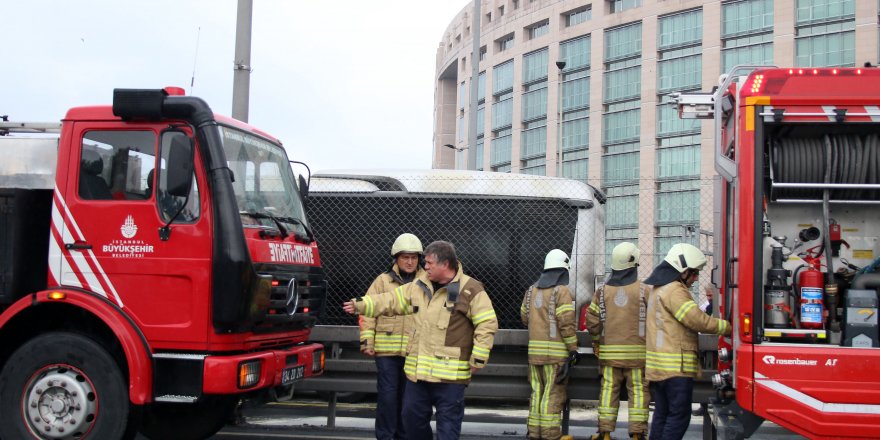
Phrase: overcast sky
pixel 319 82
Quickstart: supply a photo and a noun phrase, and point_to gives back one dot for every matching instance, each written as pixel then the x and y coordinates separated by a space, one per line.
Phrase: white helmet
pixel 406 242
pixel 683 256
pixel 556 259
pixel 624 256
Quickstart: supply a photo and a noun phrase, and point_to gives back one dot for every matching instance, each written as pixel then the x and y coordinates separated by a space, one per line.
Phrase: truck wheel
pixel 187 421
pixel 64 386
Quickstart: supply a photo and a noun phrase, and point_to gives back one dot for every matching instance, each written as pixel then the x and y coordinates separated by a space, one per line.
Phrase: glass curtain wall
pixel 533 140
pixel 575 107
pixel 502 116
pixel 677 172
pixel 746 33
pixel 621 131
pixel 825 33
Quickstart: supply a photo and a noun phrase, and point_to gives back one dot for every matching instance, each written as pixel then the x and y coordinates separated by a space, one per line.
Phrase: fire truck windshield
pixel 264 183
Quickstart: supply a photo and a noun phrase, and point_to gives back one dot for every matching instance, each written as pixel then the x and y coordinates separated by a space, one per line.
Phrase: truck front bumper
pixel 234 374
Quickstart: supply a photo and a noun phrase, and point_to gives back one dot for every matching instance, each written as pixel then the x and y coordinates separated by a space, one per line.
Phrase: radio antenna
pixel 192 80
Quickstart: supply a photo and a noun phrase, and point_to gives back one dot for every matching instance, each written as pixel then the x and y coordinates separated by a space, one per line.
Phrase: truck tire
pixel 63 385
pixel 187 421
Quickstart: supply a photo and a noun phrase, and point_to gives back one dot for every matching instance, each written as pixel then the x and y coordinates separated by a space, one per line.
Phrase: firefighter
pixel 616 321
pixel 386 337
pixel 455 327
pixel 671 350
pixel 548 312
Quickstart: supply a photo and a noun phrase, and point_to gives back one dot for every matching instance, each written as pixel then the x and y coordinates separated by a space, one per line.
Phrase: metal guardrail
pixel 506 375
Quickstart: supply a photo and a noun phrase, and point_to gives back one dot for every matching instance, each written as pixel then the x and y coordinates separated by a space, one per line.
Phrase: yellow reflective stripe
pixel 367 333
pixel 680 362
pixel 638 400
pixel 568 340
pixel 535 399
pixel 722 326
pixel 564 308
pixel 594 307
pixel 621 356
pixel 483 317
pixel 448 369
pixel 547 348
pixel 628 348
pixel 368 306
pixel 401 300
pixel 480 352
pixel 607 383
pixel 549 372
pixel 686 307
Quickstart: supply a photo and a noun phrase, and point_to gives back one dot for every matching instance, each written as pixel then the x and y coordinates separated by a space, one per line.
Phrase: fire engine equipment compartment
pixel 822 186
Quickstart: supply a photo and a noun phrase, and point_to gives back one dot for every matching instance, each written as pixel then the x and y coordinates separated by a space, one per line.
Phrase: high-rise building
pixel 603 117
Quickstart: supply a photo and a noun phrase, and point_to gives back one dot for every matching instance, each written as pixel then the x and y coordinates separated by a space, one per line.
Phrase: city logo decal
pixel 127 246
pixel 129 229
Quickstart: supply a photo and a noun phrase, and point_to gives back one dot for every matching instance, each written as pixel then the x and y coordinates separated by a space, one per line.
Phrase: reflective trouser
pixel 546 402
pixel 390 383
pixel 609 399
pixel 672 408
pixel 418 400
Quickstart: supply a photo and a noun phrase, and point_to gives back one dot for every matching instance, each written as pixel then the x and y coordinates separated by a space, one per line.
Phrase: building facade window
pixel 479 155
pixel 825 33
pixel 538 29
pixel 746 33
pixel 504 43
pixel 500 159
pixel 502 93
pixel 622 5
pixel 578 16
pixel 533 140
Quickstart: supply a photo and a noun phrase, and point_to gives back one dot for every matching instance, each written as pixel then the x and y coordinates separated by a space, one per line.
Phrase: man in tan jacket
pixel 386 337
pixel 616 321
pixel 455 327
pixel 547 310
pixel 674 319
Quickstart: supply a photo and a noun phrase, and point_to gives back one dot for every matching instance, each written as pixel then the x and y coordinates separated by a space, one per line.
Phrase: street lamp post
pixel 560 65
pixel 457 150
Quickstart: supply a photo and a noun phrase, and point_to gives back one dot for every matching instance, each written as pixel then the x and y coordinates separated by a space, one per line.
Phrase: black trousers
pixel 390 383
pixel 418 400
pixel 672 408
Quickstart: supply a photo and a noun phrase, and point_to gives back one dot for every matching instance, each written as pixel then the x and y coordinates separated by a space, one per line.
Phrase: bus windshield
pixel 264 184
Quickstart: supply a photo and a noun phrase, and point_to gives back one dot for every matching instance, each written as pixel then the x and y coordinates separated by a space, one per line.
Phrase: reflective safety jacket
pixel 549 315
pixel 617 319
pixel 454 326
pixel 673 322
pixel 387 335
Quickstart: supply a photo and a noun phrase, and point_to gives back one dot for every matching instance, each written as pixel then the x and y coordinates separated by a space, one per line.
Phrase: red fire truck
pixel 797 229
pixel 156 267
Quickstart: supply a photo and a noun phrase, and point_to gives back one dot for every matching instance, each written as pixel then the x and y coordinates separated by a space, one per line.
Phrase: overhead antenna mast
pixel 192 80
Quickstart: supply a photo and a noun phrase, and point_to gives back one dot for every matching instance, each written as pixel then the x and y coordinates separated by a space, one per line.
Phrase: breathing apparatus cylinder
pixel 777 292
pixel 811 283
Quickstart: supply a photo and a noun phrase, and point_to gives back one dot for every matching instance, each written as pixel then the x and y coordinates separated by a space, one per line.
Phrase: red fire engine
pixel 156 267
pixel 799 201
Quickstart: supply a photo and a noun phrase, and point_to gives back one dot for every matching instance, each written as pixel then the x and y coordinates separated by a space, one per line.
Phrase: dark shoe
pixel 601 436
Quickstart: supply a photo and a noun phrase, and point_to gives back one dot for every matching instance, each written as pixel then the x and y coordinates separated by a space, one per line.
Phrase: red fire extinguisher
pixel 811 285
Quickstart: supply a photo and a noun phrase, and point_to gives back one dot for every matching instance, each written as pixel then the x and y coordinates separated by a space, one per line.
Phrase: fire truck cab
pixel 157 266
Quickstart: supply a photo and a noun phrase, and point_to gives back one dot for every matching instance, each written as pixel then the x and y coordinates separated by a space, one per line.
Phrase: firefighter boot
pixel 601 436
pixel 567 437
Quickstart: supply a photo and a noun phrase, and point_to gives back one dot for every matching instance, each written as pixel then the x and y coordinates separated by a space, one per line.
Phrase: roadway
pixel 305 418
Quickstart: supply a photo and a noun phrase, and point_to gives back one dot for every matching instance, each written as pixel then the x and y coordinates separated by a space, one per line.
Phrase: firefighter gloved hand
pixel 565 368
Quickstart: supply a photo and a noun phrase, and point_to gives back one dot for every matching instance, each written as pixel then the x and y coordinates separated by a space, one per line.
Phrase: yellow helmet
pixel 624 256
pixel 556 259
pixel 683 256
pixel 406 242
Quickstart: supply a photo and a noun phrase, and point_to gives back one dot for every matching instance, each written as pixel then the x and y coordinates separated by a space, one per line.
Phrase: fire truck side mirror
pixel 180 166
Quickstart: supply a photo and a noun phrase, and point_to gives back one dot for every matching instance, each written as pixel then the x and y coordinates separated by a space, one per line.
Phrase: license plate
pixel 292 374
